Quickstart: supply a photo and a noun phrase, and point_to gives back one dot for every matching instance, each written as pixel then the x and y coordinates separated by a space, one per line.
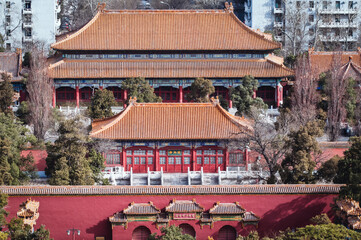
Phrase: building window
pixel 311 18
pixel 8 20
pixel 27 18
pixel 8 32
pixel 140 156
pixel 298 4
pixel 8 4
pixel 8 46
pixel 27 5
pixel 312 4
pixel 350 5
pixel 337 32
pixel 236 159
pixel 162 160
pixel 311 31
pixel 168 94
pixel 350 33
pixel 65 93
pixel 209 156
pixel 28 32
pixel 113 158
pixel 337 18
pixel 187 160
pixel 338 5
pixel 324 4
pixel 116 92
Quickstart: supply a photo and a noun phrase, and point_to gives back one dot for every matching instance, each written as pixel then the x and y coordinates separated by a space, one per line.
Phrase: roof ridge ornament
pixel 101 7
pixel 215 101
pixel 132 101
pixel 229 7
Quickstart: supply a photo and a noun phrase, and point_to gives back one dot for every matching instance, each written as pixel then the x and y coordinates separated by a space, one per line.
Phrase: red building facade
pixel 91 208
pixel 169 48
pixel 172 137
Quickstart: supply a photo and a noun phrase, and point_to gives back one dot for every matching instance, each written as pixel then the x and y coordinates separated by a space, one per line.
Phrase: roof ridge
pixel 116 119
pixel 252 31
pixel 231 117
pixel 197 11
pixel 78 32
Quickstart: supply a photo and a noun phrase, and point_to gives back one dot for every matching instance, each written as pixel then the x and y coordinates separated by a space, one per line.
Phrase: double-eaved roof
pixel 166 30
pixel 169 68
pixel 170 121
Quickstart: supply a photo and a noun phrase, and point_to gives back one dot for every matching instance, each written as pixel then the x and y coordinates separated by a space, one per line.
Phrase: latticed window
pixel 113 158
pixel 236 158
pixel 140 156
pixel 209 156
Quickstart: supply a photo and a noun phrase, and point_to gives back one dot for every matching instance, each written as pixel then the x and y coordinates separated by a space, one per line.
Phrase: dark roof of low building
pixel 184 206
pixel 250 217
pixel 227 208
pixel 118 218
pixel 141 209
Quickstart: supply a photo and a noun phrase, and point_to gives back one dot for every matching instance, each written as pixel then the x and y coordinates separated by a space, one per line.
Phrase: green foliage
pixel 140 88
pixel 290 61
pixel 3 212
pixel 101 103
pixel 242 96
pixel 171 233
pixel 253 235
pixel 26 59
pixel 23 112
pixel 321 232
pixel 13 137
pixel 6 92
pixel 298 165
pixel 321 219
pixel 200 90
pixel 19 231
pixel 71 160
pixel 328 169
pixel 349 170
pixel 351 100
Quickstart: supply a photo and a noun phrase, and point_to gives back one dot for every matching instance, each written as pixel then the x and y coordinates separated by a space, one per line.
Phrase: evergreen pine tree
pixel 140 88
pixel 242 96
pixel 101 103
pixel 6 92
pixel 201 89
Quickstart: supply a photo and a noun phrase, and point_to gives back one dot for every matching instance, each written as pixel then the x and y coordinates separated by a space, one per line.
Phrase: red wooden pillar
pixel 194 159
pixel 230 104
pixel 54 97
pixel 156 158
pixel 254 93
pixel 124 158
pixel 180 94
pixel 77 96
pixel 246 157
pixel 101 87
pixel 279 92
pixel 226 160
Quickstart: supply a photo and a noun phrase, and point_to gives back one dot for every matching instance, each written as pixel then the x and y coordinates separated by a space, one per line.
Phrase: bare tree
pixel 39 87
pixel 336 89
pixel 304 96
pixel 267 139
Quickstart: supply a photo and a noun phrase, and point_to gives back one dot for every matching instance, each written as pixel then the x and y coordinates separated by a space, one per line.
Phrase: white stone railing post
pixel 189 177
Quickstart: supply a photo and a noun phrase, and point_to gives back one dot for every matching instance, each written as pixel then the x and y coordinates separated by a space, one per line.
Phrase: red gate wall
pixel 90 213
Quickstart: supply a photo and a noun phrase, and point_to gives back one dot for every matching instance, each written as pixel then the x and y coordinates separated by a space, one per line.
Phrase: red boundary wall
pixel 90 213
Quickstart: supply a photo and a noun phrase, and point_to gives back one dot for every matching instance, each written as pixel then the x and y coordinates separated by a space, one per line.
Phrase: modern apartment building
pixel 307 24
pixel 26 21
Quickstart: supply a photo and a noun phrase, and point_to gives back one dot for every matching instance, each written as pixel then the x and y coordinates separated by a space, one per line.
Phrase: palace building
pixel 169 48
pixel 172 137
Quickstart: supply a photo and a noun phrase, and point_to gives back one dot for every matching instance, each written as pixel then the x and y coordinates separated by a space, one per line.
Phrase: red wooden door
pixel 178 164
pixel 141 233
pixel 171 164
pixel 227 233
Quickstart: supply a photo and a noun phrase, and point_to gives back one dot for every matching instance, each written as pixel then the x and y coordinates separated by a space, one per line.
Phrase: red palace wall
pixel 90 213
